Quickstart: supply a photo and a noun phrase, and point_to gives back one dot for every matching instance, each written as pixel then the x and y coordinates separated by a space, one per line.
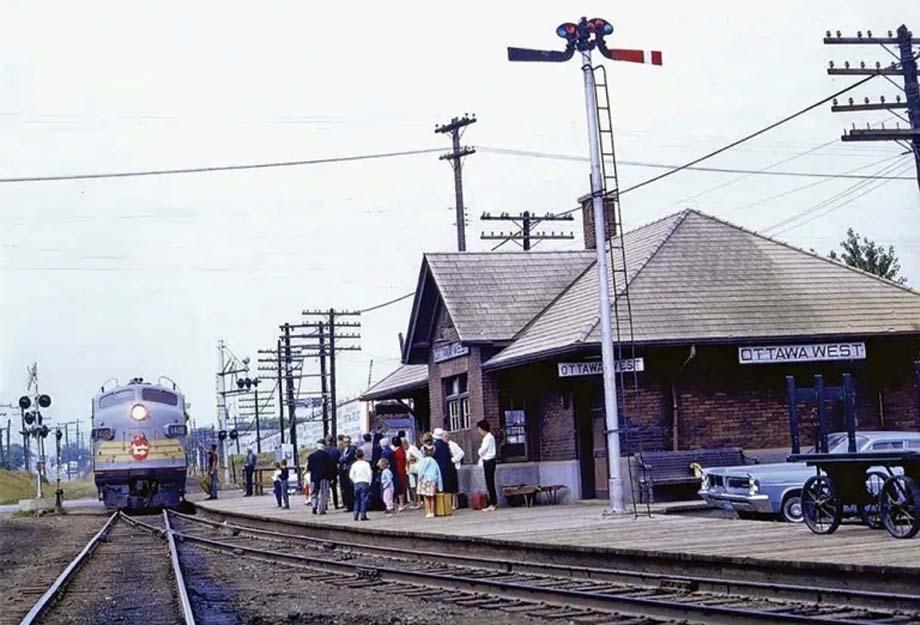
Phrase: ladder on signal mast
pixel 624 347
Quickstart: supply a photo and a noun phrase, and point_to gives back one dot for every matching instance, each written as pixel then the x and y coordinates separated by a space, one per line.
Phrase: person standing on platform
pixel 442 456
pixel 249 468
pixel 456 457
pixel 284 476
pixel 213 469
pixel 399 472
pixel 335 454
pixel 367 446
pixel 361 475
pixel 345 461
pixel 386 485
pixel 413 457
pixel 276 483
pixel 321 469
pixel 429 480
pixel 487 461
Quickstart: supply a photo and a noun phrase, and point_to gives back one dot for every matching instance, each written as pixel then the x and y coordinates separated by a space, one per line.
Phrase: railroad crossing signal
pixel 584 37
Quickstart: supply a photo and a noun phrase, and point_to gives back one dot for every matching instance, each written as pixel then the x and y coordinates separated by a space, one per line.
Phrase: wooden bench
pixel 682 468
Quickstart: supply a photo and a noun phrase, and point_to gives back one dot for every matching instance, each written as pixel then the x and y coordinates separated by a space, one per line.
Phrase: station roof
pixel 695 278
pixel 489 296
pixel 405 380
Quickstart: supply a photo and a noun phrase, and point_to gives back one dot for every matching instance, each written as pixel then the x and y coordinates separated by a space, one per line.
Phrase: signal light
pixel 58 434
pixel 221 434
pixel 29 418
pixel 24 402
pixel 44 431
pixel 44 400
pixel 566 31
pixel 233 435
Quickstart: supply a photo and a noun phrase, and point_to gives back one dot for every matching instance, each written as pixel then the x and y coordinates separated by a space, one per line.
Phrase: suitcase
pixel 462 501
pixel 442 504
pixel 479 500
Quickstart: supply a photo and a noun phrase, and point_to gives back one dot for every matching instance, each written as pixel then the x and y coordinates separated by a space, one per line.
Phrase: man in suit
pixel 249 467
pixel 345 460
pixel 335 454
pixel 321 467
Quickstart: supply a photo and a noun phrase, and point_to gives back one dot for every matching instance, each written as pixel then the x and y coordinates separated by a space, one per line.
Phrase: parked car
pixel 775 489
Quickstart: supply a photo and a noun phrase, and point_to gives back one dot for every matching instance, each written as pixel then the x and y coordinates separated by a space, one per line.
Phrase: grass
pixel 16 485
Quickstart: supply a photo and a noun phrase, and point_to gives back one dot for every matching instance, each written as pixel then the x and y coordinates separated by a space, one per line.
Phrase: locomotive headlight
pixel 139 412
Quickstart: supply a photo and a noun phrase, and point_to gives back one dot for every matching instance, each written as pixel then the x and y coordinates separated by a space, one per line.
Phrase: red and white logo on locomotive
pixel 140 447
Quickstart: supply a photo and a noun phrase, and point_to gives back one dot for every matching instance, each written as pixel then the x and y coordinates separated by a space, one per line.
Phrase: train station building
pixel 720 316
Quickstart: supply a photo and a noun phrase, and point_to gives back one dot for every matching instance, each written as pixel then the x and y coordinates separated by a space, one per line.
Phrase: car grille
pixel 738 482
pixel 715 480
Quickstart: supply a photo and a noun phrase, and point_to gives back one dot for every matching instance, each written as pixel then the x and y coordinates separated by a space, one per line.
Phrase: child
pixel 429 479
pixel 276 483
pixel 361 476
pixel 387 487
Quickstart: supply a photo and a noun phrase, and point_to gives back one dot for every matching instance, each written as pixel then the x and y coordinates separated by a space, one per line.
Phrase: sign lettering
pixel 596 367
pixel 766 354
pixel 449 352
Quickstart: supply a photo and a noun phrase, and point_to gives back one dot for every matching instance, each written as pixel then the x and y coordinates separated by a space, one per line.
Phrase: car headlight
pixel 753 485
pixel 704 481
pixel 139 412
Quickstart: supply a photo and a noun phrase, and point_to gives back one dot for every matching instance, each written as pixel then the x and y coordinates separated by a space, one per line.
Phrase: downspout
pixel 675 416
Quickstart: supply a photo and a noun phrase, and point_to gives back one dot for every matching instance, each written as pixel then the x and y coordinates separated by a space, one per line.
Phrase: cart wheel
pixel 821 505
pixel 871 513
pixel 900 506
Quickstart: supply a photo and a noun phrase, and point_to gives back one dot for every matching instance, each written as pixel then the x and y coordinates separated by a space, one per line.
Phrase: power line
pixel 392 301
pixel 841 205
pixel 199 170
pixel 719 170
pixel 837 196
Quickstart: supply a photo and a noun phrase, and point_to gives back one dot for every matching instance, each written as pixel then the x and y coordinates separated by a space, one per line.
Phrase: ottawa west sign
pixel 766 354
pixel 596 367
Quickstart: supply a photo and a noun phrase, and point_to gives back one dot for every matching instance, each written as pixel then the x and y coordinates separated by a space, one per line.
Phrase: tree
pixel 869 256
pixel 14 458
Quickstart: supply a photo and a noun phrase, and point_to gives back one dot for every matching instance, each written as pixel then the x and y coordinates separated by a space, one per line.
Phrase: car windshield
pixel 838 444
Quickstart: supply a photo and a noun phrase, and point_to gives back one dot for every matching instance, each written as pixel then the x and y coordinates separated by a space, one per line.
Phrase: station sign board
pixel 810 352
pixel 596 367
pixel 449 351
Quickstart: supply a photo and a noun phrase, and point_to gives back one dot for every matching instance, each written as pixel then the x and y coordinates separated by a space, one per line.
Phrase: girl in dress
pixel 429 480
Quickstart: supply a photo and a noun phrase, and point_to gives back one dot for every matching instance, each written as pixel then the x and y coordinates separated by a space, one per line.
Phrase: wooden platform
pixel 584 526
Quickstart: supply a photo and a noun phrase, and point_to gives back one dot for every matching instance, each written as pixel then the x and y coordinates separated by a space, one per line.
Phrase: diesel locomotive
pixel 140 437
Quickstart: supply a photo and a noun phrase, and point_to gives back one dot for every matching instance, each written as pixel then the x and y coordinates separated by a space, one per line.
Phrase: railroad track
pixel 118 576
pixel 578 594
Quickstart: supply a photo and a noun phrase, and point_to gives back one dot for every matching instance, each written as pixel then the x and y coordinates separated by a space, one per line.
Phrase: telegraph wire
pixel 216 168
pixel 719 170
pixel 899 166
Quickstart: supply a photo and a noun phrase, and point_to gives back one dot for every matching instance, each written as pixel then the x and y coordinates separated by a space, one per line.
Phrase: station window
pixel 514 431
pixel 457 403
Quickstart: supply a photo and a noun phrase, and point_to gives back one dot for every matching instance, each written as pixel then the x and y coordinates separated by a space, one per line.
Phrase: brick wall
pixel 587 219
pixel 900 407
pixel 556 426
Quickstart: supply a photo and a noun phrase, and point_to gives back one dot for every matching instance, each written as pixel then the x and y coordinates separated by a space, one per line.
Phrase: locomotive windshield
pixel 160 396
pixel 118 397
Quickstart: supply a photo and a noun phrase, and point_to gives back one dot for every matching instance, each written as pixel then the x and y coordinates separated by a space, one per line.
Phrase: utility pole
pixel 323 380
pixel 289 375
pixel 222 408
pixel 906 67
pixel 525 222
pixel 280 394
pixel 454 128
pixel 585 36
pixel 330 328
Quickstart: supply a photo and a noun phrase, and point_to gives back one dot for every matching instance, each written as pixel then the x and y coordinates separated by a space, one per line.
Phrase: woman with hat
pixel 444 458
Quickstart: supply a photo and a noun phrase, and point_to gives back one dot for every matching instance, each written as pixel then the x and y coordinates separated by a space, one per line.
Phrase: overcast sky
pixel 142 276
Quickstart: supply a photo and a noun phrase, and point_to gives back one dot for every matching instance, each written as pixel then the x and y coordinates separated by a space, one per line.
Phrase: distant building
pixel 720 316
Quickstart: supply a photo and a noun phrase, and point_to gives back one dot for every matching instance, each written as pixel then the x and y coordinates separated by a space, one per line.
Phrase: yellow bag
pixel 205 484
pixel 443 504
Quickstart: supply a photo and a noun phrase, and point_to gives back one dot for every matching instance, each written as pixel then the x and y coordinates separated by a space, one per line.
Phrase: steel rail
pixel 47 599
pixel 621 603
pixel 187 614
pixel 819 594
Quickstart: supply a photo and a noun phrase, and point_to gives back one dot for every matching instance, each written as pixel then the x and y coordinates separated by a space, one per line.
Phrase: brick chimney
pixel 587 220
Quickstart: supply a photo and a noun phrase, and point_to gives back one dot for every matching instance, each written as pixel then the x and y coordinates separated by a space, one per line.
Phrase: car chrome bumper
pixel 745 503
